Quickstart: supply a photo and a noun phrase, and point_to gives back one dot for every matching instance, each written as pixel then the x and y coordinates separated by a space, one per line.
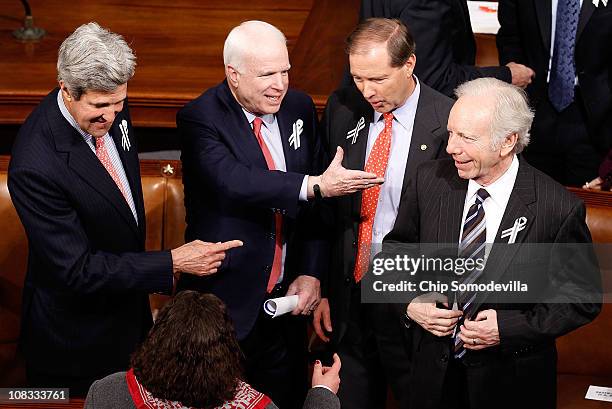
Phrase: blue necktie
pixel 472 246
pixel 563 69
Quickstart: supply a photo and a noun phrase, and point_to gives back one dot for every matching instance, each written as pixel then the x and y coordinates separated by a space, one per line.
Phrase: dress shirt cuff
pixel 304 189
pixel 323 386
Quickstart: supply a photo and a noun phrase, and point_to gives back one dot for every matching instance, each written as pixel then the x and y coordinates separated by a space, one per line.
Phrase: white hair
pixel 243 38
pixel 511 113
pixel 93 58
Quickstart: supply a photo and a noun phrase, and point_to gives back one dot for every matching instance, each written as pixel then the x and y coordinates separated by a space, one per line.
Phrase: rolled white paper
pixel 280 306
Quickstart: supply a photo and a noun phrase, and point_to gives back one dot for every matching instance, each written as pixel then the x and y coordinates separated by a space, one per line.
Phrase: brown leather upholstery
pixel 585 355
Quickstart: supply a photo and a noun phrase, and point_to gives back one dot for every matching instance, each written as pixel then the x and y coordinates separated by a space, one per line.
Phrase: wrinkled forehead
pixel 267 57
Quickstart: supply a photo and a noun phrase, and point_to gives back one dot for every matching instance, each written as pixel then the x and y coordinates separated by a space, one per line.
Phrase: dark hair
pixel 191 354
pixel 400 44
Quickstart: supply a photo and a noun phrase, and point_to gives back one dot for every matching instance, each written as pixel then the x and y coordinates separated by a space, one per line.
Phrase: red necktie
pixel 104 157
pixel 278 218
pixel 377 163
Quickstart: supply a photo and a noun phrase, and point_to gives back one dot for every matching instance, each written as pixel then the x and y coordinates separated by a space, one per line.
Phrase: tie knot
pixel 257 125
pixel 388 118
pixel 99 142
pixel 482 195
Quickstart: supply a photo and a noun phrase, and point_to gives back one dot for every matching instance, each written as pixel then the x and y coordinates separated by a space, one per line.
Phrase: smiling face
pixel 469 141
pixel 383 86
pixel 262 82
pixel 95 111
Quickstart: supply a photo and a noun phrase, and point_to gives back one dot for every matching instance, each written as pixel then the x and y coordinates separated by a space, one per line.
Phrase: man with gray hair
pixel 74 179
pixel 473 349
pixel 249 151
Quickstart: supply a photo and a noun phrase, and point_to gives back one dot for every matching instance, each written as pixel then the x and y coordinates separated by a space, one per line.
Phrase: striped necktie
pixel 472 246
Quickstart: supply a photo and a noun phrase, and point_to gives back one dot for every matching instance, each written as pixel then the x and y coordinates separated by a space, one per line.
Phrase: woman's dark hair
pixel 191 354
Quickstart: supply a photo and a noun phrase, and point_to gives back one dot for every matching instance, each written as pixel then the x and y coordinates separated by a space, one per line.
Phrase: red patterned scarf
pixel 246 397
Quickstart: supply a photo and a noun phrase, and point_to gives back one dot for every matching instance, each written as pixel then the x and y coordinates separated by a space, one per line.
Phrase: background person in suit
pixel 253 142
pixel 196 326
pixel 566 43
pixel 382 62
pixel 485 353
pixel 74 179
pixel 446 46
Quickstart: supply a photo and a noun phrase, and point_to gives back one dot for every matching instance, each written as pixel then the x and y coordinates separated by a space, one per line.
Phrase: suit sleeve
pixel 508 38
pixel 430 22
pixel 213 161
pixel 575 299
pixel 58 238
pixel 321 398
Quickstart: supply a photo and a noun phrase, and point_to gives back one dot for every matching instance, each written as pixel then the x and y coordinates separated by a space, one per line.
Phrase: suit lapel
pixel 87 166
pixel 240 128
pixel 585 14
pixel 543 10
pixel 502 254
pixel 285 127
pixel 423 144
pixel 131 167
pixel 451 208
pixel 355 153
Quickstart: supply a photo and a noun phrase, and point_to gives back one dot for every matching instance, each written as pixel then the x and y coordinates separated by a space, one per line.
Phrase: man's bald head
pixel 248 39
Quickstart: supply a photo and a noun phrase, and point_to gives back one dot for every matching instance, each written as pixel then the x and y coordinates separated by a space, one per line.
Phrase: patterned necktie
pixel 104 158
pixel 278 218
pixel 563 68
pixel 377 163
pixel 472 246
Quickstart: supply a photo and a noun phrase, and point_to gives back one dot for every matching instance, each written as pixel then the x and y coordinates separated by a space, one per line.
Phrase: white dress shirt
pixel 495 205
pixel 401 136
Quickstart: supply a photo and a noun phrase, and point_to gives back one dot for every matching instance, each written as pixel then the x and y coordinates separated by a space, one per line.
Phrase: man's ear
pixel 509 144
pixel 64 90
pixel 410 64
pixel 232 75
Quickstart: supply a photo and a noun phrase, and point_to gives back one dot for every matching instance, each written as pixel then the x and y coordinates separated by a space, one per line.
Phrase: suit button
pixel 268 269
pixel 347 280
pixel 355 244
pixel 272 236
pixel 444 358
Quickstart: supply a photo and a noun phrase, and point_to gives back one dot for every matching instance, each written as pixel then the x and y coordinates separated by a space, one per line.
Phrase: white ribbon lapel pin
pixel 519 224
pixel 294 139
pixel 353 133
pixel 125 141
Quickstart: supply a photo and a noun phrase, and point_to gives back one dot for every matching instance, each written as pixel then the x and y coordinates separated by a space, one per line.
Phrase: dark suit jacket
pixel 231 194
pixel 525 37
pixel 445 45
pixel 85 301
pixel 344 109
pixel 112 392
pixel 525 360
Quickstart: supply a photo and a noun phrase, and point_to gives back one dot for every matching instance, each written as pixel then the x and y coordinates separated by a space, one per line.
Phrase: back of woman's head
pixel 191 354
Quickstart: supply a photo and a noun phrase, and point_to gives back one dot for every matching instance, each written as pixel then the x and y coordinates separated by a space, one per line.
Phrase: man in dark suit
pixel 74 179
pixel 478 349
pixel 566 43
pixel 382 62
pixel 253 142
pixel 446 44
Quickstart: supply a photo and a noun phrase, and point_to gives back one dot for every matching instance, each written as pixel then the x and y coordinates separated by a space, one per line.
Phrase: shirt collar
pixel 268 119
pixel 501 188
pixel 64 110
pixel 405 114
